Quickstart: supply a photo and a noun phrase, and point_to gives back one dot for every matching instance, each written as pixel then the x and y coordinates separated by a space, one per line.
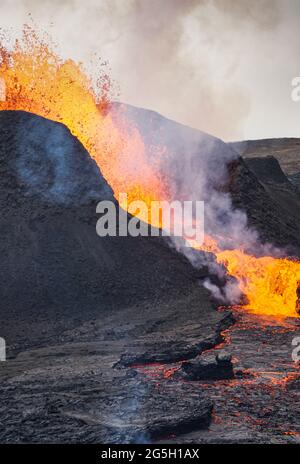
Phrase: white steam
pixel 206 63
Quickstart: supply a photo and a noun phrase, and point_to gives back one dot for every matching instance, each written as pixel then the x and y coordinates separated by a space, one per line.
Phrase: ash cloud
pixel 204 63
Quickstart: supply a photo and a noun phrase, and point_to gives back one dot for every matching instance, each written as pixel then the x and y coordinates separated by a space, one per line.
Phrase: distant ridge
pixel 286 150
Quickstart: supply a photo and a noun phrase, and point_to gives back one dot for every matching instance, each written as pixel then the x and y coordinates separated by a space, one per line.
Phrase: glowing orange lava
pixel 270 284
pixel 38 81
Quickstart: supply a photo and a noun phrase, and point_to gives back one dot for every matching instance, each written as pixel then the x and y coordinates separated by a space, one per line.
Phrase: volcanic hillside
pixel 285 150
pixel 75 306
pixel 54 267
pixel 51 254
pixel 79 313
pixel 275 162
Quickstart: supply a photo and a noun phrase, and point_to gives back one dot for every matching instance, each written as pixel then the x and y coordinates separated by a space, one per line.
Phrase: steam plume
pixel 191 60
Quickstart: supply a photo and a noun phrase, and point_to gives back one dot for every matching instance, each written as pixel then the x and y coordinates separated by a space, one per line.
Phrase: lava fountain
pixel 37 80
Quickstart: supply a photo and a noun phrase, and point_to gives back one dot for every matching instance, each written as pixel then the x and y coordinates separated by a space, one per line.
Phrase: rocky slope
pixel 276 164
pixel 285 150
pixel 53 264
pixel 74 304
pixel 86 317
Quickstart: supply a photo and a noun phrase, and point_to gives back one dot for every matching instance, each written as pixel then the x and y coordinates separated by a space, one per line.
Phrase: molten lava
pixel 38 81
pixel 270 284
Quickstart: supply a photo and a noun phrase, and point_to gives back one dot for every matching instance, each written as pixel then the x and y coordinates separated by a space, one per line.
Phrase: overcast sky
pixel 223 66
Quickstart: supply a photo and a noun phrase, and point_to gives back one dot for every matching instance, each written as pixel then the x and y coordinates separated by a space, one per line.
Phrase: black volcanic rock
pixel 217 367
pixel 295 179
pixel 267 169
pixel 41 159
pixel 285 150
pixel 271 208
pixel 276 164
pixel 110 409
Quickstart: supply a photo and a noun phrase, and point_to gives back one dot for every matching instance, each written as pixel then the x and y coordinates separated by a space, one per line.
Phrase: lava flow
pixel 270 284
pixel 38 81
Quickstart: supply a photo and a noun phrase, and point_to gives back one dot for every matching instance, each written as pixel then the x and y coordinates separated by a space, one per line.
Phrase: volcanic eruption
pixel 40 82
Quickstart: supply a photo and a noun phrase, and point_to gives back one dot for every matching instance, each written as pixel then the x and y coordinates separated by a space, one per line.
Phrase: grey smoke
pixel 194 167
pixel 228 294
pixel 207 63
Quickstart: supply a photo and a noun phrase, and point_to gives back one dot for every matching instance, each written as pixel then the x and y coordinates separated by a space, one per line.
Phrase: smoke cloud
pixel 206 63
